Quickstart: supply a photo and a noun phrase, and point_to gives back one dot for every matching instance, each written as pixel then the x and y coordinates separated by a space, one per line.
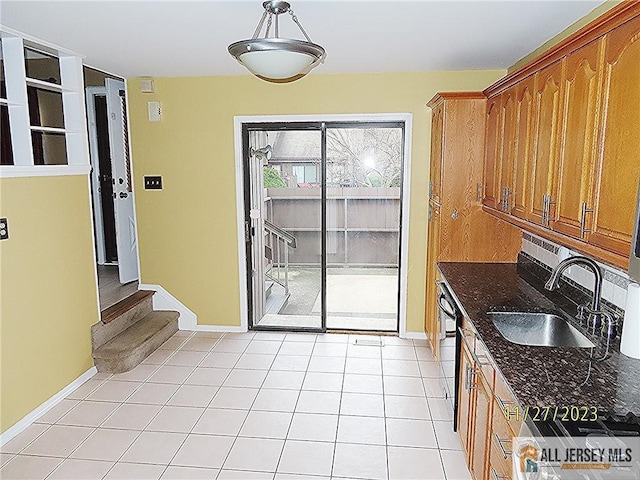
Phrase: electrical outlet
pixel 4 229
pixel 153 182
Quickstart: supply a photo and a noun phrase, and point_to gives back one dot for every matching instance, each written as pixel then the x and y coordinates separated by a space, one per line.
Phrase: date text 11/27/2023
pixel 557 413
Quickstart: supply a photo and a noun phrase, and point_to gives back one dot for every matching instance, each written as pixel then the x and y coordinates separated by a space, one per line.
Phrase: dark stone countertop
pixel 540 376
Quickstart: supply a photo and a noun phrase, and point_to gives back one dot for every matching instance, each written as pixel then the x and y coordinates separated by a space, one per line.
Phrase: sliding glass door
pixel 323 214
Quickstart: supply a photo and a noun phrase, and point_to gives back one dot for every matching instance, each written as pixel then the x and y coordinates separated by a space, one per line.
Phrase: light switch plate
pixel 4 229
pixel 153 182
pixel 155 111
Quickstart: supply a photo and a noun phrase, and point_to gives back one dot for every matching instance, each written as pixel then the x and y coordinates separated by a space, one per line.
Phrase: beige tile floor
pixel 251 406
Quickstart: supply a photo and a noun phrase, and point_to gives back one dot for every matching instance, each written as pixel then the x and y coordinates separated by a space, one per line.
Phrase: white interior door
pixel 126 235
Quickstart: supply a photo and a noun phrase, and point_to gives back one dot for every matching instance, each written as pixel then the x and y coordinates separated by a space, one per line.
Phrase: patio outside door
pixel 323 214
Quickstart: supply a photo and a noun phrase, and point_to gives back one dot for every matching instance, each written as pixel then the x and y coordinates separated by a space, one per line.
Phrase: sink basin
pixel 538 329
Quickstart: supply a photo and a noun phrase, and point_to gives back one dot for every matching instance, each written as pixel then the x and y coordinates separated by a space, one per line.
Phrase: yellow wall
pixel 187 232
pixel 571 29
pixel 49 298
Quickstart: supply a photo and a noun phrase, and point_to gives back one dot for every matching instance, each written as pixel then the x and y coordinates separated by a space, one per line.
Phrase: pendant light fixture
pixel 273 58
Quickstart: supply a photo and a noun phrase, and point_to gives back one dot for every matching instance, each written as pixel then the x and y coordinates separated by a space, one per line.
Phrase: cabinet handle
pixel 503 405
pixel 546 209
pixel 469 376
pixel 480 192
pixel 472 379
pixel 496 476
pixel 464 333
pixel 583 221
pixel 505 453
pixel 466 378
pixel 506 199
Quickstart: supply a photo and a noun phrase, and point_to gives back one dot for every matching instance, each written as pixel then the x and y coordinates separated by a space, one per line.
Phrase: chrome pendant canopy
pixel 273 58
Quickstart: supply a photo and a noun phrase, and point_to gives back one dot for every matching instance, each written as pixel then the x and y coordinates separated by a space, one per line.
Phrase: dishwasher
pixel 450 320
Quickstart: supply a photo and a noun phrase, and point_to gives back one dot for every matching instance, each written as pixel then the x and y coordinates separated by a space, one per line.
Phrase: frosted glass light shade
pixel 276 64
pixel 277 59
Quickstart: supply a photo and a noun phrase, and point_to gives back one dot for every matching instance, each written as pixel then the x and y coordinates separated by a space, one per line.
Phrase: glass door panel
pixel 286 221
pixel 364 180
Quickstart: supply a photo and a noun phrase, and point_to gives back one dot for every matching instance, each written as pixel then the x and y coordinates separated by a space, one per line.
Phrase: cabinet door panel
pixel 493 148
pixel 507 159
pixel 431 310
pixel 619 163
pixel 578 140
pixel 524 138
pixel 547 120
pixel 437 140
pixel 465 405
pixel 481 440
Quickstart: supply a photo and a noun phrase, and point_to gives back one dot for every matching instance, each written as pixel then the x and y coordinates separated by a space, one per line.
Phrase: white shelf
pixel 48 130
pixel 52 87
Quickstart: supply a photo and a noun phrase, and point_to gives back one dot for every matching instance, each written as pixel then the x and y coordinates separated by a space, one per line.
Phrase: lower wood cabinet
pixel 486 413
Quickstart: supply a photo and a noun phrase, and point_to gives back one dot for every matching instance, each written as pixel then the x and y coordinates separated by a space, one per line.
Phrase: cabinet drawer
pixel 479 353
pixel 501 441
pixel 499 468
pixel 506 407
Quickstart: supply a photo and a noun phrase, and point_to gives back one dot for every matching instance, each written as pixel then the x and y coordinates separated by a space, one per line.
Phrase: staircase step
pixel 124 306
pixel 129 348
pixel 122 315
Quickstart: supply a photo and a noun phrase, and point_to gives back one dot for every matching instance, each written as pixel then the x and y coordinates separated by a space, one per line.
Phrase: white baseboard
pixel 415 335
pixel 163 300
pixel 218 328
pixel 188 320
pixel 45 407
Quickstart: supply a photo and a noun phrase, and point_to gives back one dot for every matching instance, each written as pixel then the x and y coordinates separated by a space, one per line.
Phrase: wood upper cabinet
pixel 618 169
pixel 547 121
pixel 493 153
pixel 521 194
pixel 437 132
pixel 575 166
pixel 578 141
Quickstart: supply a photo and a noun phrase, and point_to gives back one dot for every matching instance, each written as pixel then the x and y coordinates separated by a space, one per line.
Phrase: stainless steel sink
pixel 538 329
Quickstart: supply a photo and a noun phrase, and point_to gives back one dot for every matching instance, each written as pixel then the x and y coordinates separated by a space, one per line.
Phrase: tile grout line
pixel 95 428
pixel 252 403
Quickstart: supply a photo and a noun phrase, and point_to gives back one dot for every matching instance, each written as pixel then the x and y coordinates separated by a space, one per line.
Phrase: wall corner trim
pixel 32 416
pixel 163 300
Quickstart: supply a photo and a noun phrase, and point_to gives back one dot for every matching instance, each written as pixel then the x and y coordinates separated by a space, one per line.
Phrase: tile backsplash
pixel 614 287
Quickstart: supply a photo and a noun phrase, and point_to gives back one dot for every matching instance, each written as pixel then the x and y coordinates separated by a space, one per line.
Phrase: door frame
pixel 98 226
pixel 91 93
pixel 239 123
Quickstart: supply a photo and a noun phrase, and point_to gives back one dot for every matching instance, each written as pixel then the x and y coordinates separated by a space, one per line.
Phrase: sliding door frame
pixel 242 126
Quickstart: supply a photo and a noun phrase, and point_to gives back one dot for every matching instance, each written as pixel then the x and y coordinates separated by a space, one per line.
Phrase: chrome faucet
pixel 554 280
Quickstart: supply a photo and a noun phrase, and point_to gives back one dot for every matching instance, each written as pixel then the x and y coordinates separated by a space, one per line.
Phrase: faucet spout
pixel 554 279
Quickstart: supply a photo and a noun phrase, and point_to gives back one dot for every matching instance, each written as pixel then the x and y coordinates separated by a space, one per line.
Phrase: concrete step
pixel 276 302
pixel 130 347
pixel 117 318
pixel 268 286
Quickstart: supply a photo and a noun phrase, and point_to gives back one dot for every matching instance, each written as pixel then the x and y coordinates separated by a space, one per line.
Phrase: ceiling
pixel 190 38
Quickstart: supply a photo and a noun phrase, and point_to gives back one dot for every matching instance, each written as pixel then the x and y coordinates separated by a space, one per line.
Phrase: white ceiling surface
pixel 190 38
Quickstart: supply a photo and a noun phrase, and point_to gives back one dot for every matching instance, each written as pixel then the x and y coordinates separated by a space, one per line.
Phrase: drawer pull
pixel 496 476
pixel 503 405
pixel 465 333
pixel 505 453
